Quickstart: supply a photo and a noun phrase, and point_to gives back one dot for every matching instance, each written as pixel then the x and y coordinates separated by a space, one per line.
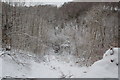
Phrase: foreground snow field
pixel 24 66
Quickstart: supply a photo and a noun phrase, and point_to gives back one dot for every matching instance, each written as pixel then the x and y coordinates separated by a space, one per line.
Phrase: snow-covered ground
pixel 24 66
pixel 0 67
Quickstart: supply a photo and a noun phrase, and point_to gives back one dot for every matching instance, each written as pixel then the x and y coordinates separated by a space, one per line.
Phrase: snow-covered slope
pixel 24 66
pixel 107 67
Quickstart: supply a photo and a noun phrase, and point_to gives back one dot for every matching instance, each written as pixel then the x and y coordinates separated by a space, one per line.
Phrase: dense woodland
pixel 0 25
pixel 84 30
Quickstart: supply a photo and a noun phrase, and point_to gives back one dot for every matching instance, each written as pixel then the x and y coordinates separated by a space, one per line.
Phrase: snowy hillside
pixel 53 66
